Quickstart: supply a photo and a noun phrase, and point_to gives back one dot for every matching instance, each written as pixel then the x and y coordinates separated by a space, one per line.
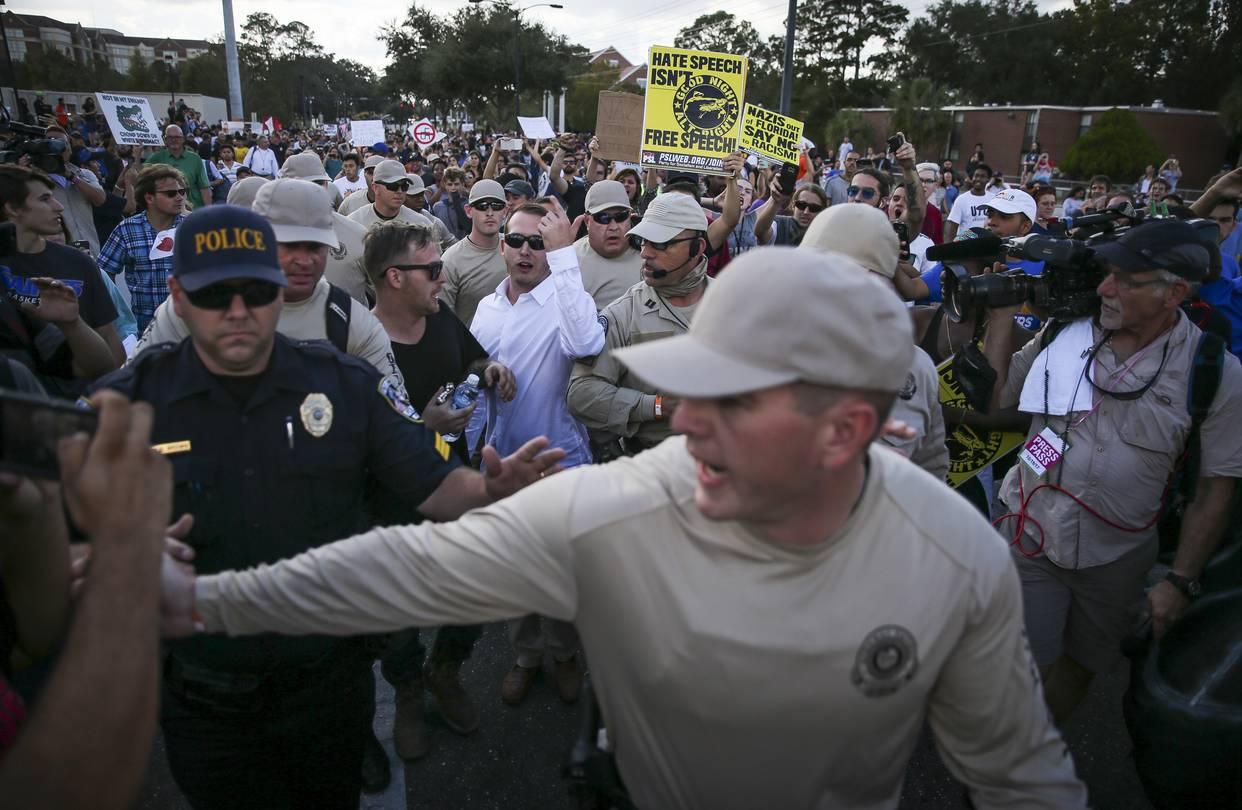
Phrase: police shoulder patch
pixel 395 395
pixel 603 321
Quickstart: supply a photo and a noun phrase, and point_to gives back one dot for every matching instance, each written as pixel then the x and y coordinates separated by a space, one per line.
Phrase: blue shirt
pixel 1228 263
pixel 1225 296
pixel 128 251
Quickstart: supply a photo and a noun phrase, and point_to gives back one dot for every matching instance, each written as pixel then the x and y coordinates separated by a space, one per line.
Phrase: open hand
pixel 531 462
pixel 57 302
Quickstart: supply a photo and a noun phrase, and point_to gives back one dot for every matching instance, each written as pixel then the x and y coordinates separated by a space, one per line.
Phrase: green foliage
pixel 51 69
pixel 1231 109
pixel 917 113
pixel 724 33
pixel 582 98
pixel 848 122
pixel 1115 145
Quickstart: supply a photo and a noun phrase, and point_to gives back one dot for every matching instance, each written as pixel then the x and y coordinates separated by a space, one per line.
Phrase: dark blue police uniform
pixel 271 466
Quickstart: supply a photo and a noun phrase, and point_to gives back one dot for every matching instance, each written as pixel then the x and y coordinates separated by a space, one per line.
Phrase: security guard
pixel 314 309
pixel 771 605
pixel 625 415
pixel 272 442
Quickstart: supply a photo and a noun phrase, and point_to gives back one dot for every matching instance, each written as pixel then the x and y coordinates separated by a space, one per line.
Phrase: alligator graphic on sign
pixel 131 118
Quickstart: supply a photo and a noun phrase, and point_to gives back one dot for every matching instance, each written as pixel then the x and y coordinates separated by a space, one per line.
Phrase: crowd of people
pixel 731 386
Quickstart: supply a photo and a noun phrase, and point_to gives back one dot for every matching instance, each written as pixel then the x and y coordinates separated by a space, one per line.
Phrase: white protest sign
pixel 330 130
pixel 367 132
pixel 423 132
pixel 130 119
pixel 537 128
pixel 233 127
pixel 467 127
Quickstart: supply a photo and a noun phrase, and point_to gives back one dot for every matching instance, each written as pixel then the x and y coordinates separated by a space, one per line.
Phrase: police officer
pixel 314 309
pixel 702 572
pixel 621 413
pixel 272 442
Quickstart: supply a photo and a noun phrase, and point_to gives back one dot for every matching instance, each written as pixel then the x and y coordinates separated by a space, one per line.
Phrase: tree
pixel 582 98
pixel 917 112
pixel 724 33
pixel 848 122
pixel 1116 145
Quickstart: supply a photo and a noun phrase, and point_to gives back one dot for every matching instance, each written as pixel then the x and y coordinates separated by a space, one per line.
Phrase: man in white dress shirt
pixel 538 322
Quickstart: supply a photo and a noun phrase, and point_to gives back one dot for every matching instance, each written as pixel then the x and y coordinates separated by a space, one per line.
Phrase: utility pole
pixel 787 78
pixel 236 111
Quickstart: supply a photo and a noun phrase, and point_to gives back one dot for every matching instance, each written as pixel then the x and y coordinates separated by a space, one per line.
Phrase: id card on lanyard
pixel 1044 451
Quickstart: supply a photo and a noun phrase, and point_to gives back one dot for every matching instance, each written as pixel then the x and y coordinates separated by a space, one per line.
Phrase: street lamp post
pixel 517 49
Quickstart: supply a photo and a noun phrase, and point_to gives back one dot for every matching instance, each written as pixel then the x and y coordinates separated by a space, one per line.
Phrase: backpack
pixel 336 314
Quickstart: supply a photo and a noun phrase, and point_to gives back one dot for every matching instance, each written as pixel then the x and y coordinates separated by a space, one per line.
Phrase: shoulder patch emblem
pixel 886 660
pixel 910 388
pixel 341 251
pixel 395 395
pixel 603 321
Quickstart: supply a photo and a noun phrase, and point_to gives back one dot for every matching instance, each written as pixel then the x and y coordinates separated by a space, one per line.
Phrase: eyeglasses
pixel 605 218
pixel 1124 282
pixel 814 208
pixel 516 240
pixel 172 193
pixel 433 268
pixel 400 186
pixel 220 296
pixel 487 205
pixel 861 193
pixel 637 243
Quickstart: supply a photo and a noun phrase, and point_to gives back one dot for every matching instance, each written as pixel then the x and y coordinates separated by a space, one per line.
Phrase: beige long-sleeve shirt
pixel 732 673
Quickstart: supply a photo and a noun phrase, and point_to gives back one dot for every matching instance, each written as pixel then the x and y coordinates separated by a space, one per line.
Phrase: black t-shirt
pixel 574 197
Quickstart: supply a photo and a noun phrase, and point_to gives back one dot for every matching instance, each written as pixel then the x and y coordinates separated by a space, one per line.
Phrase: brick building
pixel 27 33
pixel 627 71
pixel 1196 137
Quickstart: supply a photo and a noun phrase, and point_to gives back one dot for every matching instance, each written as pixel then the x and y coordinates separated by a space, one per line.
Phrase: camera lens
pixel 964 294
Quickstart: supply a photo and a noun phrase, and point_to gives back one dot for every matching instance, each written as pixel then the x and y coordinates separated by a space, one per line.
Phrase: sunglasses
pixel 861 193
pixel 400 185
pixel 220 296
pixel 814 208
pixel 488 205
pixel 637 243
pixel 605 218
pixel 433 268
pixel 516 240
pixel 172 193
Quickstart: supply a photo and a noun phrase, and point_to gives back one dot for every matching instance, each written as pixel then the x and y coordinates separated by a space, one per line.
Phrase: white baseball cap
pixel 1013 201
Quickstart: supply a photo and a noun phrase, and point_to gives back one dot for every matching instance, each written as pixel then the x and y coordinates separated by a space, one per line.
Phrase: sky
pixel 631 26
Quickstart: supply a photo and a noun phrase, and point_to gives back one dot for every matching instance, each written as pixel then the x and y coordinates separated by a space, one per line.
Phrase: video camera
pixel 46 154
pixel 1067 288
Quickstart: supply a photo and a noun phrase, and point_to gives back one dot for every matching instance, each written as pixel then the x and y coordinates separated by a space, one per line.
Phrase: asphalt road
pixel 513 762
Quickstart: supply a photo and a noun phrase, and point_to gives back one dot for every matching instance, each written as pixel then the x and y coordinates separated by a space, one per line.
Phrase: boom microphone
pixel 985 245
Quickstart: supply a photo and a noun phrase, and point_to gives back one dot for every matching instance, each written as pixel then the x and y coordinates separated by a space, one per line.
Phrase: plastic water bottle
pixel 464 396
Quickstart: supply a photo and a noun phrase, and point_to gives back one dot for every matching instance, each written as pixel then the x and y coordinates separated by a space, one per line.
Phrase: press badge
pixel 1043 452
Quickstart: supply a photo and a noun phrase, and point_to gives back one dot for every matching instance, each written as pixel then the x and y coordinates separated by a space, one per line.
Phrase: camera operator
pixel 77 190
pixel 57 311
pixel 1111 419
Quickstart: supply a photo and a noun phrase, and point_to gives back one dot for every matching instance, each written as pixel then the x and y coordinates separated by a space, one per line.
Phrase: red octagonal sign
pixel 424 133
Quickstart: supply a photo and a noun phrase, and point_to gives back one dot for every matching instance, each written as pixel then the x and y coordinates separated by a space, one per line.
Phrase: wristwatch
pixel 1190 587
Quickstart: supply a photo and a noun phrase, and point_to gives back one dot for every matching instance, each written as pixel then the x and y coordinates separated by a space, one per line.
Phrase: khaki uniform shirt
pixel 607 279
pixel 303 320
pixel 353 202
pixel 603 394
pixel 471 273
pixel 1121 456
pixel 368 218
pixel 345 266
pixel 918 405
pixel 731 673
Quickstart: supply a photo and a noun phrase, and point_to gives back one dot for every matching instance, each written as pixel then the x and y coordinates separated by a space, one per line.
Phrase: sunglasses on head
pixel 516 240
pixel 814 208
pixel 433 268
pixel 605 218
pixel 220 296
pixel 637 243
pixel 172 193
pixel 861 193
pixel 400 185
pixel 488 205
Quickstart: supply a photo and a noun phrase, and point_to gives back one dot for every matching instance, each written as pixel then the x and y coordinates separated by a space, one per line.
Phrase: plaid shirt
pixel 128 251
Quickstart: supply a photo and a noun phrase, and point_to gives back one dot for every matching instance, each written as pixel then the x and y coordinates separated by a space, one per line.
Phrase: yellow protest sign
pixel 693 109
pixel 770 134
pixel 970 449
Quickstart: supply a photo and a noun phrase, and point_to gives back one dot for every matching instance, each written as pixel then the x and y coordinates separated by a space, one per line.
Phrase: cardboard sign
pixel 366 132
pixel 423 132
pixel 970 449
pixel 619 126
pixel 536 128
pixel 130 119
pixel 693 113
pixel 770 134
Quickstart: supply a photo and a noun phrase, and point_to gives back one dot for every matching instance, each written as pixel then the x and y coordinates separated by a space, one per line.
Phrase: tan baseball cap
pixel 372 161
pixel 782 315
pixel 417 186
pixel 860 232
pixel 304 166
pixel 390 171
pixel 607 194
pixel 298 210
pixel 487 190
pixel 243 191
pixel 668 215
